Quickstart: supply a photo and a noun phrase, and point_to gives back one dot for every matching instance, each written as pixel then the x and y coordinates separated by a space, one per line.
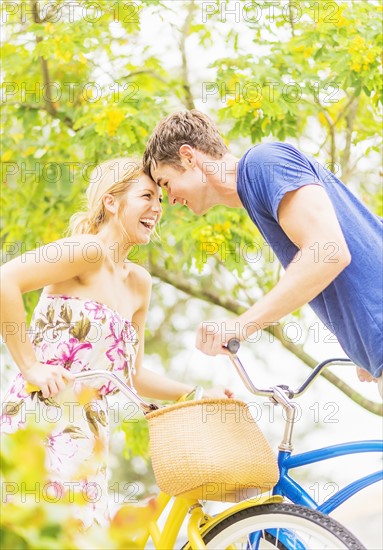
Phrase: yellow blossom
pixel 322 118
pixel 232 82
pixel 30 151
pixel 342 22
pixel 49 28
pixel 356 67
pixel 82 59
pixel 115 117
pixel 363 54
pixel 6 156
pixel 308 52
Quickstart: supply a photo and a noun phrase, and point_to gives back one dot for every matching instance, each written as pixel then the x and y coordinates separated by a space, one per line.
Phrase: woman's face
pixel 141 209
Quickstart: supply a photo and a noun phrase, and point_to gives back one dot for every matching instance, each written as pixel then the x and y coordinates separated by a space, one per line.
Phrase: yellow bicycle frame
pixel 199 523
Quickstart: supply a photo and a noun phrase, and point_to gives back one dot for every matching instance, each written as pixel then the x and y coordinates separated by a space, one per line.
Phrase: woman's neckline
pixel 70 297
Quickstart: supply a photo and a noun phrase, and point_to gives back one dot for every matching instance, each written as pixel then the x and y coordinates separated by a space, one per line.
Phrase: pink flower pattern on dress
pixel 117 348
pixel 98 310
pixel 91 336
pixel 67 355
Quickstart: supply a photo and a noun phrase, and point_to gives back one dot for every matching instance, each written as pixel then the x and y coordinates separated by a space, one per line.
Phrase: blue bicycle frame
pixel 290 489
pixel 286 486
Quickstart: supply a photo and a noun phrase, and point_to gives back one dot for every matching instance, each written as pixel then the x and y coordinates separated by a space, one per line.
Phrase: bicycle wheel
pixel 282 526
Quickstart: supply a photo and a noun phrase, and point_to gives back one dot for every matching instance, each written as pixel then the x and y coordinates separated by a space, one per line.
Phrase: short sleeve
pixel 274 169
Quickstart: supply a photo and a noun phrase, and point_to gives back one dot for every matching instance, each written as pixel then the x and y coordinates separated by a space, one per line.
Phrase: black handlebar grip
pixel 233 345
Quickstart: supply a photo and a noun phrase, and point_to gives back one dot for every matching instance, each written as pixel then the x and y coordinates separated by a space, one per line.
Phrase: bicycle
pixel 267 521
pixel 286 486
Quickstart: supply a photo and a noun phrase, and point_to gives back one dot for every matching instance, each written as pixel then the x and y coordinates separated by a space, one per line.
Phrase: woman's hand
pixel 50 379
pixel 218 392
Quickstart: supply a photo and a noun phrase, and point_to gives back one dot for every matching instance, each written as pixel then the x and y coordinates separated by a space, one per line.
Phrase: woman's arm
pixel 147 382
pixel 32 271
pixel 157 386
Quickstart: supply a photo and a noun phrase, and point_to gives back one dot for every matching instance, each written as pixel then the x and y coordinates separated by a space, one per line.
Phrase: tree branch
pixel 350 117
pixel 345 108
pixel 208 295
pixel 350 120
pixel 49 103
pixel 331 126
pixel 185 31
pixel 291 18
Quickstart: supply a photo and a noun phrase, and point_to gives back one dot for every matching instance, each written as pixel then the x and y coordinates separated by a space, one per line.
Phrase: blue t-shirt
pixel 352 305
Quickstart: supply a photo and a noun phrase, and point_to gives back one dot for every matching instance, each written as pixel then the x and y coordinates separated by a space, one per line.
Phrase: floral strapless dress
pixel 80 335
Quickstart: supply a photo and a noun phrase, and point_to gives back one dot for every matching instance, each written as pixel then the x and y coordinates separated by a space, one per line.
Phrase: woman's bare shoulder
pixel 139 275
pixel 85 240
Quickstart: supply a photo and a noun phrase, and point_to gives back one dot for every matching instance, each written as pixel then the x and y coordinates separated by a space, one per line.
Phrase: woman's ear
pixel 110 203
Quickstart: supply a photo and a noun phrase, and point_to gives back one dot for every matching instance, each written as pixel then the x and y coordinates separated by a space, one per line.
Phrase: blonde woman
pixel 91 315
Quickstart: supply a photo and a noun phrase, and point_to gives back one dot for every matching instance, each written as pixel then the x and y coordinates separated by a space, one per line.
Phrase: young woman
pixel 91 315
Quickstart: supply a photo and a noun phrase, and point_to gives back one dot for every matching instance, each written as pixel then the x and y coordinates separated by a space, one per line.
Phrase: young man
pixel 329 243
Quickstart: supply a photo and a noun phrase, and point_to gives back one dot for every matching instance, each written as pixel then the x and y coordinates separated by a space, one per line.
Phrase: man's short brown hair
pixel 184 127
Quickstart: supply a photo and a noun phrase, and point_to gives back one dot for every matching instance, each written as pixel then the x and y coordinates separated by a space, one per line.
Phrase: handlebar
pixel 233 346
pixel 129 392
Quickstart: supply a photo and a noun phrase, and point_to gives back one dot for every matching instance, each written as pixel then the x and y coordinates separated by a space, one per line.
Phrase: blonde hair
pixel 112 177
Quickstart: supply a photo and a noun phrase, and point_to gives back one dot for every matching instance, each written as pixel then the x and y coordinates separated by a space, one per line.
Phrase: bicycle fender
pixel 212 521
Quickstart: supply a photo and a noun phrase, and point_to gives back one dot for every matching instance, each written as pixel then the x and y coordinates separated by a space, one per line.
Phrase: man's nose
pixel 171 198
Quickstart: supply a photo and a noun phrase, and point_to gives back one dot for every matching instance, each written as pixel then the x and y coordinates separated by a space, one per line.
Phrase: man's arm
pixel 309 220
pixel 147 382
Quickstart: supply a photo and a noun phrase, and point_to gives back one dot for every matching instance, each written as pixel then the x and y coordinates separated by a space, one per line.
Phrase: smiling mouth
pixel 148 223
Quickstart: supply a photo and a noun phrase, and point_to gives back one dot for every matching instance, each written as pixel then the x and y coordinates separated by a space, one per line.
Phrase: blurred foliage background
pixel 86 81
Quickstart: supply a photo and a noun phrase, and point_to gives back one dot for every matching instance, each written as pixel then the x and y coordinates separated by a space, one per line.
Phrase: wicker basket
pixel 211 449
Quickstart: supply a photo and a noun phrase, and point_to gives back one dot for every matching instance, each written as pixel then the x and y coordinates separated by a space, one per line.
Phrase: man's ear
pixel 187 155
pixel 110 203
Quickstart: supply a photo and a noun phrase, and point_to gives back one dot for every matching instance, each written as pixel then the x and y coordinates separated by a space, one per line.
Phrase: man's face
pixel 186 188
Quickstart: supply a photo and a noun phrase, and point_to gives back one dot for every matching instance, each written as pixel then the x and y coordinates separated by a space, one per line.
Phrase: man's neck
pixel 223 180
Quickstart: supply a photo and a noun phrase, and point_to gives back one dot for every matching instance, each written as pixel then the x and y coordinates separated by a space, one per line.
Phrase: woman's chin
pixel 138 241
pixel 142 240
